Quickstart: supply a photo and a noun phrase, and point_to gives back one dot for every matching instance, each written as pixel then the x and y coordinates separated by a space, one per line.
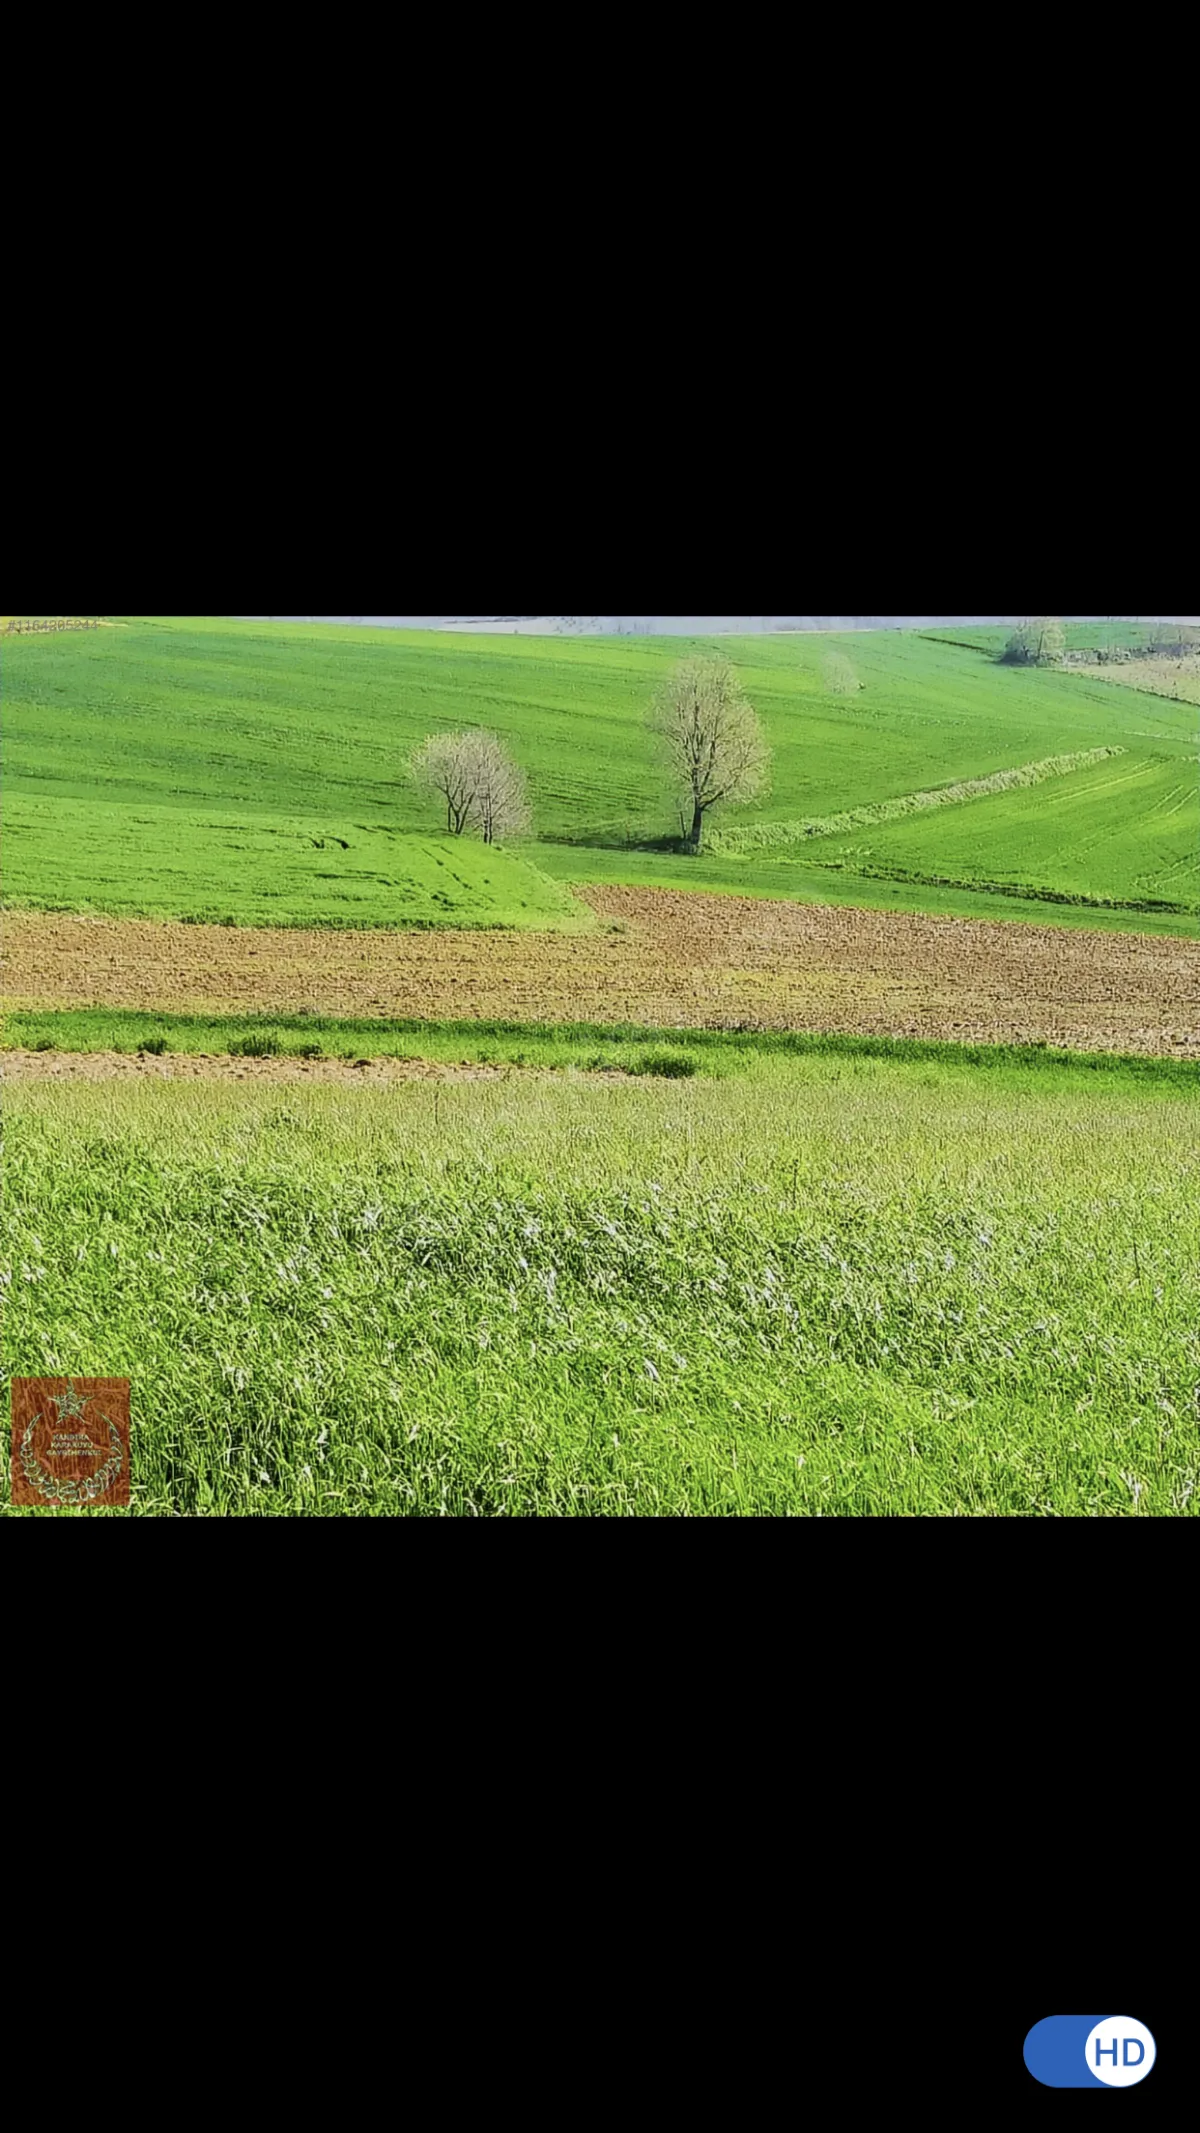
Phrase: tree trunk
pixel 697 826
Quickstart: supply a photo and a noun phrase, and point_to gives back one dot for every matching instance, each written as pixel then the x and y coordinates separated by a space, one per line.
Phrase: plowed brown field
pixel 682 959
pixel 219 1066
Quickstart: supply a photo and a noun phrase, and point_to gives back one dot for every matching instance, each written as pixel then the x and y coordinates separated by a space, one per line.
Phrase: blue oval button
pixel 1058 2051
pixel 1055 2051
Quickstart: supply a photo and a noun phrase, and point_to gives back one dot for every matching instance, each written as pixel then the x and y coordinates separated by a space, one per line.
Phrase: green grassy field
pixel 1123 831
pixel 804 880
pixel 1105 636
pixel 258 869
pixel 156 748
pixel 777 1274
pixel 823 1285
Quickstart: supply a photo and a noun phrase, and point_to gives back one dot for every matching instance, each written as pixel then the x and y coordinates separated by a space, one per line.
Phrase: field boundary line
pixel 764 836
pixel 1076 899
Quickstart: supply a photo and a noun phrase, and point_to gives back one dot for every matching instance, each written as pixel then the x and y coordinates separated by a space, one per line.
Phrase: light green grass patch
pixel 766 836
pixel 213 864
pixel 1126 830
pixel 837 1289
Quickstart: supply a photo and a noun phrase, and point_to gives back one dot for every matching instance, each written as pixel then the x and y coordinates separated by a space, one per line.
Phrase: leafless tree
pixel 1040 643
pixel 482 787
pixel 841 677
pixel 1051 640
pixel 713 739
pixel 501 803
pixel 1171 640
pixel 443 765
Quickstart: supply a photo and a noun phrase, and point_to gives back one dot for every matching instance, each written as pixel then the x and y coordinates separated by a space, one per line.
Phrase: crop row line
pixel 763 835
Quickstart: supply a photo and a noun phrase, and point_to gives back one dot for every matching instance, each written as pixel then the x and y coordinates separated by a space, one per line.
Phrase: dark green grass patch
pixel 665 1065
pixel 630 1047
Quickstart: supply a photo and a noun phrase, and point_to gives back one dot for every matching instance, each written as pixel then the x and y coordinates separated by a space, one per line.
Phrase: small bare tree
pixel 501 804
pixel 1171 640
pixel 841 677
pixel 1051 640
pixel 1040 643
pixel 443 765
pixel 475 776
pixel 713 739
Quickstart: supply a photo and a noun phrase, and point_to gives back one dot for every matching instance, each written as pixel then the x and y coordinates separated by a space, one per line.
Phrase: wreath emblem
pixel 52 1489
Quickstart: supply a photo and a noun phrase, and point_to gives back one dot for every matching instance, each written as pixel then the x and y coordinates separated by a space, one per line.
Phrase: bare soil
pixel 1178 679
pixel 219 1066
pixel 679 960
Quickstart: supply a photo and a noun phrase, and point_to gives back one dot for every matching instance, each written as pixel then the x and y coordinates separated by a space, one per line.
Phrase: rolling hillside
pixel 214 768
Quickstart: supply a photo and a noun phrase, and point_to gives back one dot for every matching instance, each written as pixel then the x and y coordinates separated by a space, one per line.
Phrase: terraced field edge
pixel 1079 900
pixel 764 836
pixel 566 1044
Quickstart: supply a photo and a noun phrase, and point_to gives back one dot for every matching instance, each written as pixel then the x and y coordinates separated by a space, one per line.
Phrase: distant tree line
pixel 1173 640
pixel 1042 642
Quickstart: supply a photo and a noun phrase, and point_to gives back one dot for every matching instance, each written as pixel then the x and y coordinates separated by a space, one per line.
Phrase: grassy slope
pixel 216 863
pixel 1080 636
pixel 837 1286
pixel 1125 829
pixel 258 722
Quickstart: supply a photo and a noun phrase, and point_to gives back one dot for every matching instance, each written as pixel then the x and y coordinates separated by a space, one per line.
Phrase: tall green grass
pixel 840 1287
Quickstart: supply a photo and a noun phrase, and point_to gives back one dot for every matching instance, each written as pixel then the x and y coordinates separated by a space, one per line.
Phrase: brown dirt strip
pixel 683 959
pixel 219 1066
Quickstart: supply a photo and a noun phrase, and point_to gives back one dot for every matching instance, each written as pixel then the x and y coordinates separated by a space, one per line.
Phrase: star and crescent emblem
pixel 68 1403
pixel 53 1488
